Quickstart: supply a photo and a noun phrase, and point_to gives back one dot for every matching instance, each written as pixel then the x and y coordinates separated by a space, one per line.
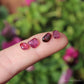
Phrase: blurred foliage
pixel 3 12
pixel 67 16
pixel 3 15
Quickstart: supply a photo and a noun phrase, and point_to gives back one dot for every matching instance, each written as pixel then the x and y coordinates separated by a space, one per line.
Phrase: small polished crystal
pixel 24 46
pixel 56 34
pixel 47 37
pixel 33 43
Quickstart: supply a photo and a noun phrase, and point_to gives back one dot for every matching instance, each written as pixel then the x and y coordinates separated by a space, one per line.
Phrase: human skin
pixel 14 60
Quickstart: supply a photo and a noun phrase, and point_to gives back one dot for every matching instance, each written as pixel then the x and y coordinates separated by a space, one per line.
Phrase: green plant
pixel 3 12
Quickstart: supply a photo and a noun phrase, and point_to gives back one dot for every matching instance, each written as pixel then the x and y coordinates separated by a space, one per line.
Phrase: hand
pixel 14 59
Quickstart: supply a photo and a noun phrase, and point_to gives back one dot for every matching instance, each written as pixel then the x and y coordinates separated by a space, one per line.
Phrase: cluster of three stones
pixel 34 42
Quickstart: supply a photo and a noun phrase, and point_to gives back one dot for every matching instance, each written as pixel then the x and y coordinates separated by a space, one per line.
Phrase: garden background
pixel 66 16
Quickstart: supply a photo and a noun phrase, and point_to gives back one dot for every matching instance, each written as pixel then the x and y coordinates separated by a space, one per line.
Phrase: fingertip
pixel 64 40
pixel 47 48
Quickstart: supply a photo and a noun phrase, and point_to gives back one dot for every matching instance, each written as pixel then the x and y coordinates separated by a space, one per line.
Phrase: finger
pixel 14 59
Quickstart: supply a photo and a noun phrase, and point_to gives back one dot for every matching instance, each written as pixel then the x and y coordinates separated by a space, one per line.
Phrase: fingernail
pixel 33 43
pixel 47 37
pixel 56 34
pixel 24 46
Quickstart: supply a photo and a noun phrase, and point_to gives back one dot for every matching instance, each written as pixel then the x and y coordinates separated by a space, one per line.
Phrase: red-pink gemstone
pixel 33 43
pixel 24 46
pixel 56 34
pixel 47 37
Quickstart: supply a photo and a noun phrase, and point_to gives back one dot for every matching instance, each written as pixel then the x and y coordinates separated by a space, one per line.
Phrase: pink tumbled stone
pixel 56 34
pixel 24 46
pixel 33 43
